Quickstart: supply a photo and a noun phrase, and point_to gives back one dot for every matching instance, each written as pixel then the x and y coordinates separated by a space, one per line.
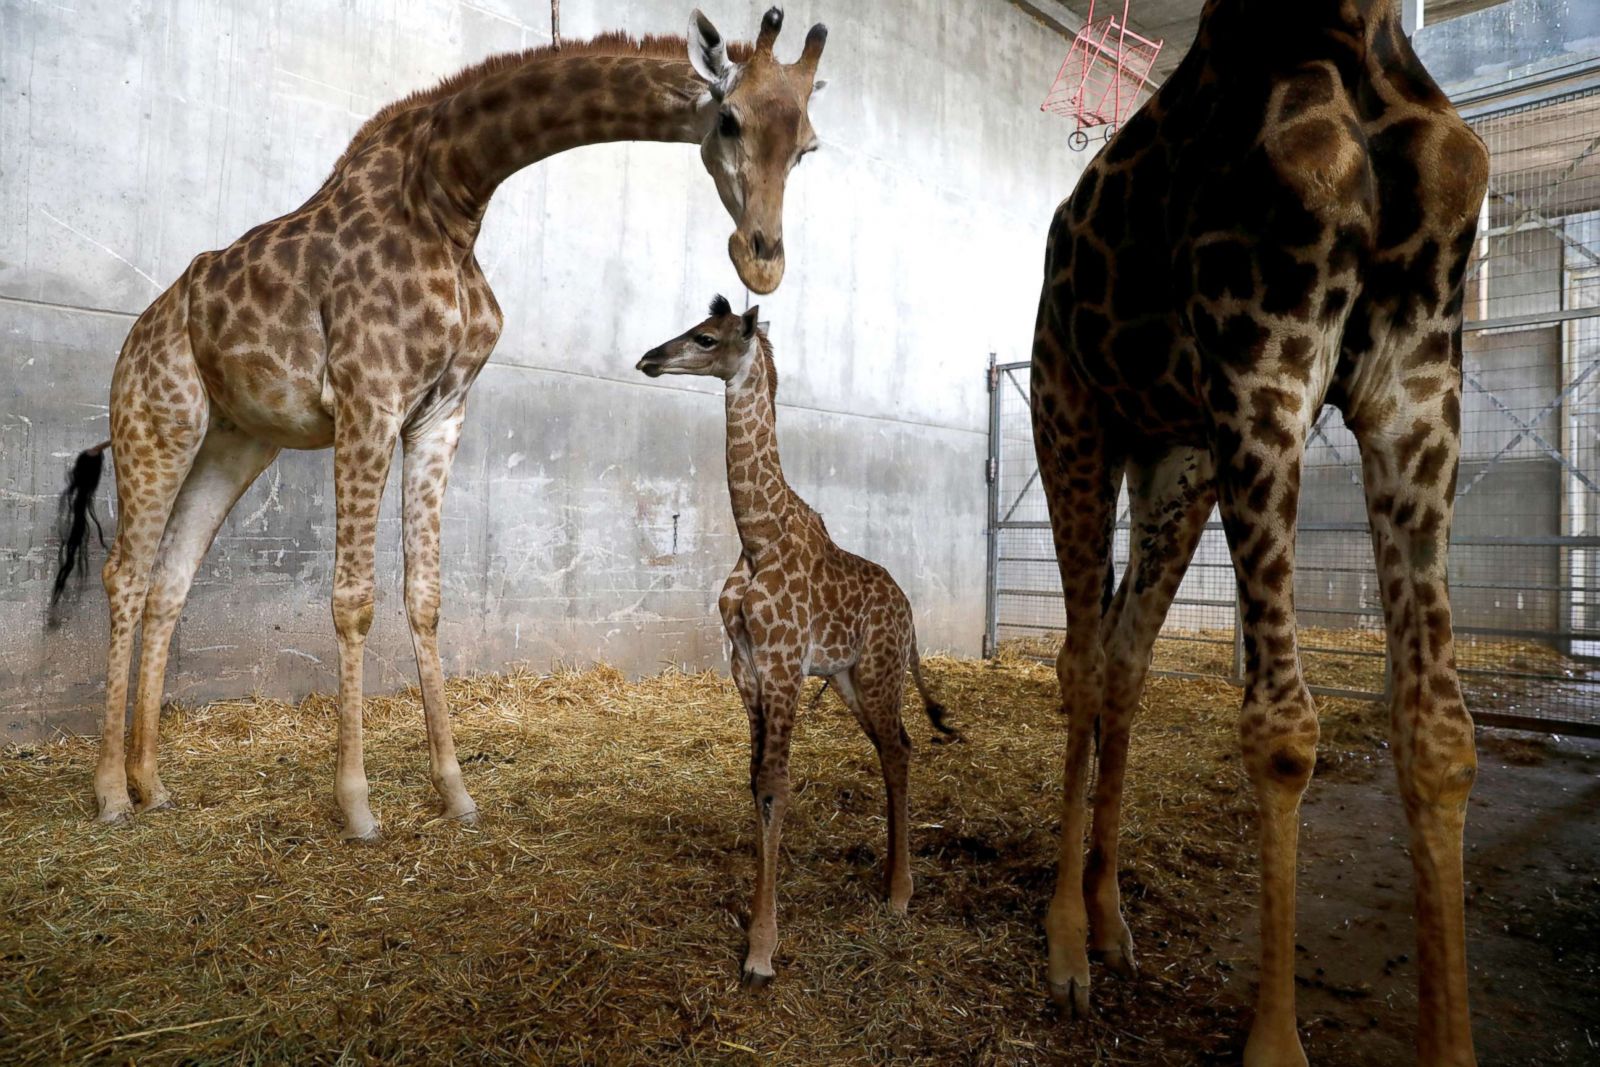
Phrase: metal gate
pixel 1525 549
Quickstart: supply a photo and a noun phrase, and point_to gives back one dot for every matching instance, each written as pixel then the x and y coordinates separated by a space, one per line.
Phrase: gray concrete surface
pixel 588 514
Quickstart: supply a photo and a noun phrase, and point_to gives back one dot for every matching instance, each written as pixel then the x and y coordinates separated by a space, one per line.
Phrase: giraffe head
pixel 719 347
pixel 759 130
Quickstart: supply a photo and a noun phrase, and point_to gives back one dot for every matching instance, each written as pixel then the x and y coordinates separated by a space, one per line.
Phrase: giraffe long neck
pixel 509 119
pixel 762 500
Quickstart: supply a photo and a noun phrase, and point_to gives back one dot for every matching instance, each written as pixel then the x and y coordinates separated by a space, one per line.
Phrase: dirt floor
pixel 596 915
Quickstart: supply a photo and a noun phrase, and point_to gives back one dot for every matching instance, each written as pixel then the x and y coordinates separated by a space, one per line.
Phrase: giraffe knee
pixel 1282 757
pixel 1440 767
pixel 163 602
pixel 422 609
pixel 352 613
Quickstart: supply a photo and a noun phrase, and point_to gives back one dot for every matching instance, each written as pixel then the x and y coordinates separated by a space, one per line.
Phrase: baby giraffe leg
pixel 874 696
pixel 778 685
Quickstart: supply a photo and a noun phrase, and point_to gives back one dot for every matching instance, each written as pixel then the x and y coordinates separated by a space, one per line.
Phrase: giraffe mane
pixel 772 367
pixel 616 43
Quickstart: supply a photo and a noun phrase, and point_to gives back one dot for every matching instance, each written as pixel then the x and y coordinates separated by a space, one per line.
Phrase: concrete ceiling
pixel 1174 21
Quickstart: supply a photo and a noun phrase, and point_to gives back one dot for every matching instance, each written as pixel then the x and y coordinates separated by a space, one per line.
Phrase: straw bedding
pixel 596 915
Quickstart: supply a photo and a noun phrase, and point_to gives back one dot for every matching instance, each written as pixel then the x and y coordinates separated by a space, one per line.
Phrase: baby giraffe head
pixel 719 347
pixel 759 129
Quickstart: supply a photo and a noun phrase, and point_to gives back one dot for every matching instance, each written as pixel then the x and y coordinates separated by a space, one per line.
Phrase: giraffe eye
pixel 728 125
pixel 705 340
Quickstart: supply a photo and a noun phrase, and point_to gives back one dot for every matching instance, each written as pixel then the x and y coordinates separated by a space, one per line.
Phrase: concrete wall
pixel 1509 40
pixel 587 518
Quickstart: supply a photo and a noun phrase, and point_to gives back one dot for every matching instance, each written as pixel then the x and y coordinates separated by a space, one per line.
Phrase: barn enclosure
pixel 599 911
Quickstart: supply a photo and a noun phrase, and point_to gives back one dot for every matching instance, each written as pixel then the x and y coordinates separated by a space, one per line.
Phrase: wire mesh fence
pixel 1525 549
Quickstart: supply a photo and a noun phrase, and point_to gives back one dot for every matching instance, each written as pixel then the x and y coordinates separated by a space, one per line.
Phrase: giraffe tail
pixel 75 513
pixel 936 711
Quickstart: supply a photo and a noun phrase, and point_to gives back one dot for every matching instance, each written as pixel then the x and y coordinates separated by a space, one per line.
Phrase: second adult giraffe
pixel 361 319
pixel 1287 222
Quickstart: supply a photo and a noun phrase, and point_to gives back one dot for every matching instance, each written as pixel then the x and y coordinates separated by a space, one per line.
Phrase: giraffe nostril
pixel 759 244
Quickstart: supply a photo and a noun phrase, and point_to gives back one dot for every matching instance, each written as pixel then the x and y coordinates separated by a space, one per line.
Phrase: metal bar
pixel 1017 503
pixel 1522 322
pixel 1493 101
pixel 1467 540
pixel 1051 594
pixel 1575 727
pixel 991 620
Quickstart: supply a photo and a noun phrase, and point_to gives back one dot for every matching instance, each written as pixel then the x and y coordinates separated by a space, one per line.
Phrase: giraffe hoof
pixel 1072 997
pixel 467 818
pixel 163 804
pixel 115 815
pixel 755 980
pixel 371 836
pixel 1118 959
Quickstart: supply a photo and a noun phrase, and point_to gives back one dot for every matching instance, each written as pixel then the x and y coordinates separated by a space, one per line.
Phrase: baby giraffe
pixel 797 604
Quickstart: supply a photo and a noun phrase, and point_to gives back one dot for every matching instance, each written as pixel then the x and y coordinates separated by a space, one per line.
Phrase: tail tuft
pixel 936 716
pixel 75 513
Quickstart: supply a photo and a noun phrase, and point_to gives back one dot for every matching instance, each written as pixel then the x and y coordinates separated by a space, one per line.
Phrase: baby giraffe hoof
pixel 466 818
pixel 161 804
pixel 755 980
pixel 370 836
pixel 1072 997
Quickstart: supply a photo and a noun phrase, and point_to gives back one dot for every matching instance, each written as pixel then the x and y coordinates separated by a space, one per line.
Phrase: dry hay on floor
pixel 1500 675
pixel 596 915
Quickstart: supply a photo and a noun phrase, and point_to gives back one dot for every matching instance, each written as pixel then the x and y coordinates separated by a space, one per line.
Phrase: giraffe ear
pixel 708 52
pixel 749 321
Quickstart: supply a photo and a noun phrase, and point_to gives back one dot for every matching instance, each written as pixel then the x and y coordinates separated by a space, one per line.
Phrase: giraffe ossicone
pixel 797 605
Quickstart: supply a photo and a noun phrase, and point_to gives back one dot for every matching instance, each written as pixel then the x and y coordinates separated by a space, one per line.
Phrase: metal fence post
pixel 1238 641
pixel 991 599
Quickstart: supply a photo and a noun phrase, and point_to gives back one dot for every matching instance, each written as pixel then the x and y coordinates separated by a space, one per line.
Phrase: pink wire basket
pixel 1100 83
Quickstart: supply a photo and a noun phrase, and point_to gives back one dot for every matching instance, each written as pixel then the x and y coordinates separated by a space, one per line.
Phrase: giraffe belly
pixel 284 409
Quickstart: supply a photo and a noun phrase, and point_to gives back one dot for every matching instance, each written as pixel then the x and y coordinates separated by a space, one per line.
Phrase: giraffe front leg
pixel 362 452
pixel 1409 472
pixel 1258 456
pixel 428 456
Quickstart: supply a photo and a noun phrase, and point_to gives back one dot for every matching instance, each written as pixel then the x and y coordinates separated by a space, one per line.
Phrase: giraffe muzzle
pixel 654 363
pixel 758 259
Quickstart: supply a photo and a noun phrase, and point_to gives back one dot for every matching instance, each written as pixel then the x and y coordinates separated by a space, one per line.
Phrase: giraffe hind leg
pixel 1170 501
pixel 426 469
pixel 1408 472
pixel 1079 475
pixel 159 415
pixel 874 691
pixel 227 462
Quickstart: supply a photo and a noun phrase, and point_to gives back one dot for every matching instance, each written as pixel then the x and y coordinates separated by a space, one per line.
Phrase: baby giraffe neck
pixel 761 498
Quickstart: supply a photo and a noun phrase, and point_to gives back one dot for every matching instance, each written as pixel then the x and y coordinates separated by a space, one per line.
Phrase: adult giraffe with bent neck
pixel 362 318
pixel 1285 223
